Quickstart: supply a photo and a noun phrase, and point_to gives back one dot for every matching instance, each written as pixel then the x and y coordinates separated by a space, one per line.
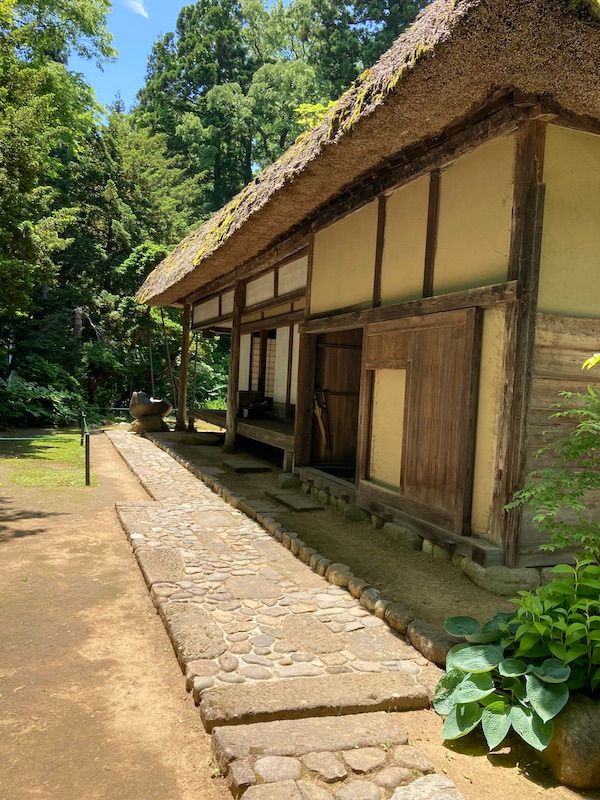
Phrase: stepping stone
pixel 243 464
pixel 297 698
pixel 298 737
pixel 294 500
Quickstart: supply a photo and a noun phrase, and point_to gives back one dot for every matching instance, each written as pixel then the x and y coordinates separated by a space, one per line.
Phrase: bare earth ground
pixel 435 590
pixel 92 702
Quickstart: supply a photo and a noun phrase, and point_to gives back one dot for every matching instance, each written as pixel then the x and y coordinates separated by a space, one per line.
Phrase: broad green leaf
pixel 474 687
pixel 595 680
pixel 552 671
pixel 476 658
pixel 531 728
pixel 527 642
pixel 547 699
pixel 512 667
pixel 492 631
pixel 444 701
pixel 559 650
pixel 452 654
pixel 563 569
pixel 462 720
pixel 461 626
pixel 495 722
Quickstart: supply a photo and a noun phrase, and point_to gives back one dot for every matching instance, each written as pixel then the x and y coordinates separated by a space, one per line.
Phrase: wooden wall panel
pixel 441 353
pixel 561 346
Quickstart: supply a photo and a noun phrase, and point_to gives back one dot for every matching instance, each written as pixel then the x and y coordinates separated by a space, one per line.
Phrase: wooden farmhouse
pixel 409 286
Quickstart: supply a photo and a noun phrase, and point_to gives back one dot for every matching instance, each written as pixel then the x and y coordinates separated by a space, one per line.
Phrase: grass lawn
pixel 49 459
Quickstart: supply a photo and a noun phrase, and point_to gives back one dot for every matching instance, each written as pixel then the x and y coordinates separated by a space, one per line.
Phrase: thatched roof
pixel 455 55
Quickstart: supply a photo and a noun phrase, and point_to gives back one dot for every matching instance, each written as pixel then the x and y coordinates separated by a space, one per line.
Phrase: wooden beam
pixel 483 297
pixel 381 211
pixel 433 213
pixel 524 266
pixel 234 367
pixel 273 322
pixel 181 421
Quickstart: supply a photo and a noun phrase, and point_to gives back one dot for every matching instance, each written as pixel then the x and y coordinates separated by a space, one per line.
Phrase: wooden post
pixel 234 366
pixel 180 424
pixel 524 266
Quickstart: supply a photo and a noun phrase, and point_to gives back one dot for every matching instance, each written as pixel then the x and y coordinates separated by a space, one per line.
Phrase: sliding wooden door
pixel 420 379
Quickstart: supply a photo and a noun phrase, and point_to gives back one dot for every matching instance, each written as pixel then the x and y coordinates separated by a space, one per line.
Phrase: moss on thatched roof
pixel 454 55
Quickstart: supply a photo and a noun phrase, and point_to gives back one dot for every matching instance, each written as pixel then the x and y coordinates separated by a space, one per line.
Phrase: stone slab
pixel 296 501
pixel 297 698
pixel 160 564
pixel 429 787
pixel 301 736
pixel 243 464
pixel 193 633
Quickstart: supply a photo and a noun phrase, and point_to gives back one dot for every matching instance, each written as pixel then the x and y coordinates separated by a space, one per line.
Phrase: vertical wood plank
pixel 181 423
pixel 304 402
pixel 234 367
pixel 380 244
pixel 524 266
pixel 433 214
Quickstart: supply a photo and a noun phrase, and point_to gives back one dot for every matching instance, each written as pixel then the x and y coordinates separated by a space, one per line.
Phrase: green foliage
pixel 517 670
pixel 25 403
pixel 91 199
pixel 558 494
pixel 587 9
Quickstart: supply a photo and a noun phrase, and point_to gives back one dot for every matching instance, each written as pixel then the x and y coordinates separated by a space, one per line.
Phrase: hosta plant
pixel 518 669
pixel 486 685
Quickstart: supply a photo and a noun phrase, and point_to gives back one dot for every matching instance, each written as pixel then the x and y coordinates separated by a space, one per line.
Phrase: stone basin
pixel 141 405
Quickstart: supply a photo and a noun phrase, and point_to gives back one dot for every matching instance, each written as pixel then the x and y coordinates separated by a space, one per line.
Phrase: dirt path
pixel 92 701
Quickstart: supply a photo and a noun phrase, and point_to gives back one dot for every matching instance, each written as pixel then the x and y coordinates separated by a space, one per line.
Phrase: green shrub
pixel 24 403
pixel 518 669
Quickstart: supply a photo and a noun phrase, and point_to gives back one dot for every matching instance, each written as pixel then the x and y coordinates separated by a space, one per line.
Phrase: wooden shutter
pixel 440 355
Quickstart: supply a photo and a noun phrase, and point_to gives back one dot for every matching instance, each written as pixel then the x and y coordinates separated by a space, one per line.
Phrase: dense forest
pixel 92 198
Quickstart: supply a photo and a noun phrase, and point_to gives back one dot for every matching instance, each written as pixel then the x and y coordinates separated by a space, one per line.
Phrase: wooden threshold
pixel 273 432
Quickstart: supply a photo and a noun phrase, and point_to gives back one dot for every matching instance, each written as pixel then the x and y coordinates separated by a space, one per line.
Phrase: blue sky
pixel 135 26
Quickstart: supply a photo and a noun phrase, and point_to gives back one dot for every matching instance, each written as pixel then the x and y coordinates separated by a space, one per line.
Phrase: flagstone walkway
pixel 299 667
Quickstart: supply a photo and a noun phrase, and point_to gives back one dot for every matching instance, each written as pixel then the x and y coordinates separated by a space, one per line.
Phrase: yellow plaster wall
pixel 244 375
pixel 570 262
pixel 282 355
pixel 403 264
pixel 491 388
pixel 475 216
pixel 344 261
pixel 387 427
pixel 295 361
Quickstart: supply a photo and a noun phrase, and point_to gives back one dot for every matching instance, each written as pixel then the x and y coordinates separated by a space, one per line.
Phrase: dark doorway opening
pixel 335 402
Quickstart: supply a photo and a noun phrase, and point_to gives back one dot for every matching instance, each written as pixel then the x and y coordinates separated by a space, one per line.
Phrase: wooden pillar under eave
pixel 234 368
pixel 181 423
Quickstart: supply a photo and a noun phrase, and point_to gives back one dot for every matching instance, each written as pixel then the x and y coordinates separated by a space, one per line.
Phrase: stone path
pixel 278 659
